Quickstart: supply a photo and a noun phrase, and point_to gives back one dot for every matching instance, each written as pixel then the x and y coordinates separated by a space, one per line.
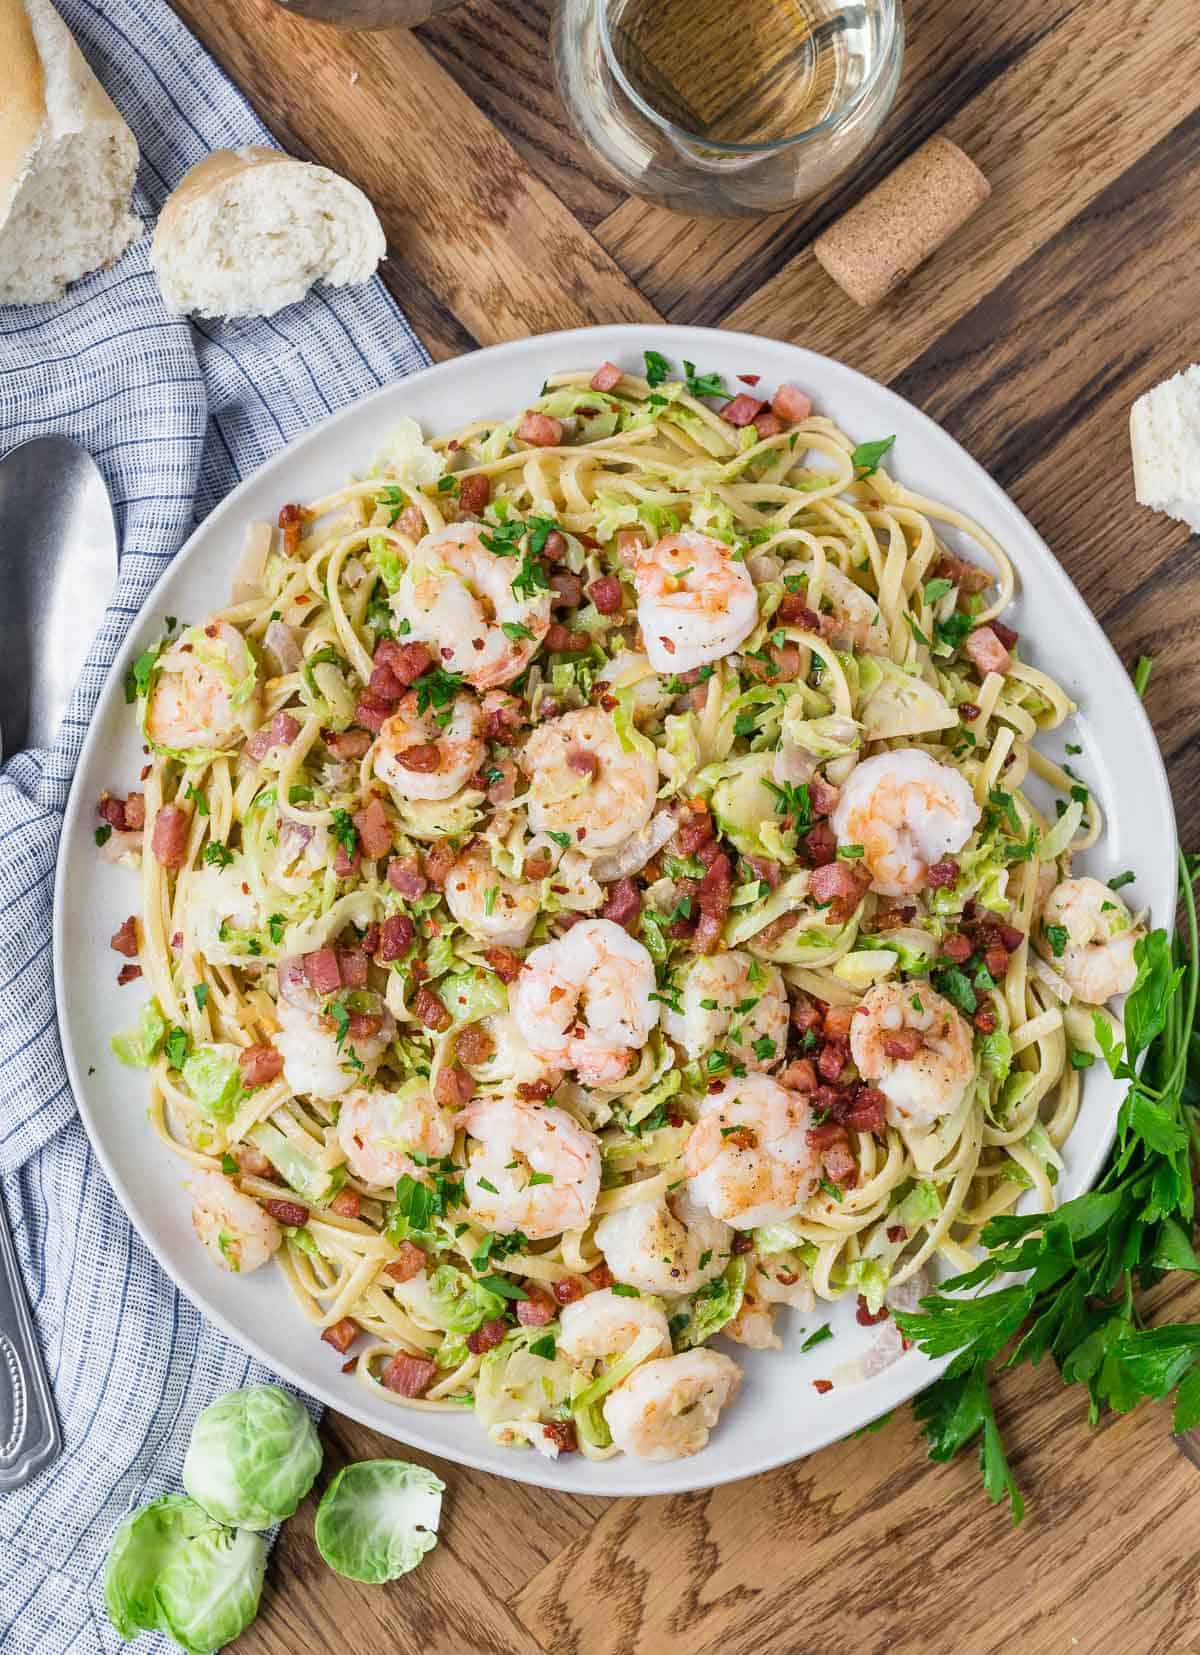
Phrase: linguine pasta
pixel 599 885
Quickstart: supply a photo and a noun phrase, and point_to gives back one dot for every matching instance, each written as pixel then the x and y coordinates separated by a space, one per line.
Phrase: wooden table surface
pixel 1027 337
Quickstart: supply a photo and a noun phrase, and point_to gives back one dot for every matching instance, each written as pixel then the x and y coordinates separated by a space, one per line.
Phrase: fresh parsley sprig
pixel 1082 1265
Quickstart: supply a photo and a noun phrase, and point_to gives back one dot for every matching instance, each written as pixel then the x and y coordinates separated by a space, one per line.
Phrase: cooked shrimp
pixel 237 1232
pixel 748 1160
pixel 582 782
pixel 583 1001
pixel 670 1246
pixel 732 1001
pixel 851 618
pixel 459 597
pixel 203 692
pixel 696 602
pixel 604 1324
pixel 379 1131
pixel 316 1063
pixel 420 759
pixel 489 905
pixel 907 811
pixel 516 1147
pixel 666 1409
pixel 1097 959
pixel 916 1048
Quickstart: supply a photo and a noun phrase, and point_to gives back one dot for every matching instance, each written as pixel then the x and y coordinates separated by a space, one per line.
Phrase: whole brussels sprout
pixel 252 1458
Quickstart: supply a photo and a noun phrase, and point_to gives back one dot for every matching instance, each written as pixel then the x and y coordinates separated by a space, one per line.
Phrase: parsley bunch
pixel 1080 1265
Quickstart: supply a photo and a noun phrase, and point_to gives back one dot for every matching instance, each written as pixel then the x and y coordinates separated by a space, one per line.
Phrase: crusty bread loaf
pixel 249 231
pixel 67 160
pixel 1164 433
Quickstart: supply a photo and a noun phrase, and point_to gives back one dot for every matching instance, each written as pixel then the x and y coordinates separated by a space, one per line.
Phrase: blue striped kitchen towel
pixel 175 415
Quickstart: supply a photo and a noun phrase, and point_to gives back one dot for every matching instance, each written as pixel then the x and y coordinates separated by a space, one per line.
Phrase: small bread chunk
pixel 1164 432
pixel 67 160
pixel 249 231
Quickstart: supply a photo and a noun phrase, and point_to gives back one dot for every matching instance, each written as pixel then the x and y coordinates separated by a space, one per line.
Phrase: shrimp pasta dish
pixel 601 892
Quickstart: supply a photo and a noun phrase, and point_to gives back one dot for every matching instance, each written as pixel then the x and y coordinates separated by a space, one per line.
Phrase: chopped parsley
pixel 217 855
pixel 866 457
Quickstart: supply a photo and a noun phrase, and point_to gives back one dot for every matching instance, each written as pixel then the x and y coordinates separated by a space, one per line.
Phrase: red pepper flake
pixel 822 1385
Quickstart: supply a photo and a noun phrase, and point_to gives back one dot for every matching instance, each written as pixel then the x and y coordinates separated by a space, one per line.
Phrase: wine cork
pixel 880 242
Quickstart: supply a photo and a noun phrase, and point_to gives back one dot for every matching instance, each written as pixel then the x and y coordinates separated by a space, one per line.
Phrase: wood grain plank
pixel 503 254
pixel 1051 425
pixel 695 270
pixel 500 55
pixel 867 1547
pixel 1050 136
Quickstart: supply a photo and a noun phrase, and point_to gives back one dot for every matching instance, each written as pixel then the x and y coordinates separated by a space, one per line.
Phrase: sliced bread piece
pixel 1164 431
pixel 67 160
pixel 249 231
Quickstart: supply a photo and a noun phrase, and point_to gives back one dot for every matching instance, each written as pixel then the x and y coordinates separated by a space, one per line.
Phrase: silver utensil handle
pixel 29 1433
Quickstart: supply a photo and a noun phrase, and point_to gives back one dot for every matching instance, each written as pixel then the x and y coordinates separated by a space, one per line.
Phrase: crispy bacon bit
pixel 125 938
pixel 783 667
pixel 555 548
pixel 128 974
pixel 868 1112
pixel 560 640
pixel 713 899
pixel 169 839
pixel 985 1020
pixel 537 1309
pixel 260 1064
pixel 695 829
pixel 384 685
pixel 943 874
pixel 967 576
pixel 823 795
pixel 841 884
pixel 561 1432
pixel 897 1232
pixel 429 1008
pixel 840 1166
pixel 408 1375
pixel 374 829
pixel 1007 636
pixel 631 543
pixel 411 521
pixel 799 1076
pixel 958 948
pixel 820 845
pixel 567 589
pixel 901 1044
pixel 346 1204
pixel 291 521
pixel 405 662
pixel 346 744
pixel 291 1213
pixel 453 1087
pixel 112 811
pixel 791 404
pixel 986 650
pixel 342 1334
pixel 323 971
pixel 371 712
pixel 606 377
pixel 606 593
pixel 363 1025
pixel 833 1059
pixel 568 1290
pixel 395 938
pixel 280 732
pixel 504 962
pixel 622 902
pixel 794 611
pixel 742 410
pixel 370 942
pixel 135 812
pixel 805 1015
pixel 767 425
pixel 540 430
pixel 601 1276
pixel 346 863
pixel 409 1262
pixel 741 1243
pixel 474 493
pixel 252 1161
pixel 864 1316
pixel 422 757
pixel 534 1091
pixel 967 711
pixel 750 379
pixel 583 761
pixel 763 868
pixel 354 966
pixel 836 1023
pixel 406 878
pixel 822 1386
pixel 474 1044
pixel 503 715
pixel 996 959
pixel 487 1337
